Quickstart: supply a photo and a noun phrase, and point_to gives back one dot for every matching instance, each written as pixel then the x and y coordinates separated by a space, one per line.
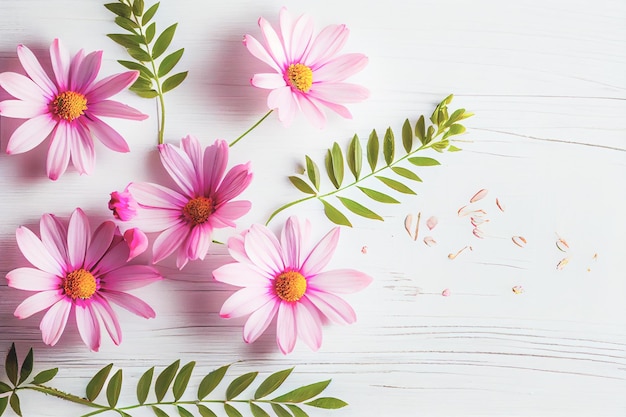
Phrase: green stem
pixel 63 395
pixel 251 129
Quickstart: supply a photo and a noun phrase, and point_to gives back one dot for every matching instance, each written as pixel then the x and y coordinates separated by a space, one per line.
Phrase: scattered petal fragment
pixel 417 225
pixel 479 195
pixel 500 205
pixel 429 241
pixel 431 223
pixel 518 289
pixel 478 233
pixel 562 263
pixel 562 245
pixel 408 221
pixel 452 256
pixel 446 292
pixel 519 241
pixel 464 211
pixel 364 250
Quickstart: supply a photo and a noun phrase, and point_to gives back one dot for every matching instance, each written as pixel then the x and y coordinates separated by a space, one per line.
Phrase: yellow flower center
pixel 198 210
pixel 300 76
pixel 79 284
pixel 69 105
pixel 290 286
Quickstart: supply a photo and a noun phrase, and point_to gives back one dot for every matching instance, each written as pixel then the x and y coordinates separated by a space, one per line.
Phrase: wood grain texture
pixel 547 81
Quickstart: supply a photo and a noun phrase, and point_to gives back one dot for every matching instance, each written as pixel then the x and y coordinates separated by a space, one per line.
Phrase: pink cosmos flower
pixel 77 272
pixel 285 278
pixel 309 72
pixel 67 108
pixel 123 205
pixel 187 216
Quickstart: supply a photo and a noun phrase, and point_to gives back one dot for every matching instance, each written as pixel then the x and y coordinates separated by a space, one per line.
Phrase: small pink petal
pixel 479 196
pixel 464 211
pixel 429 241
pixel 477 221
pixel 478 233
pixel 518 289
pixel 562 245
pixel 519 241
pixel 88 326
pixel 500 205
pixel 431 223
pixel 54 321
pixel 446 292
pixel 562 263
pixel 137 242
pixel 364 250
pixel 408 224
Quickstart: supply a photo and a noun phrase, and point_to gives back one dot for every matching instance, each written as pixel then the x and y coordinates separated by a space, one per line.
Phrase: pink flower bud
pixel 123 205
pixel 137 242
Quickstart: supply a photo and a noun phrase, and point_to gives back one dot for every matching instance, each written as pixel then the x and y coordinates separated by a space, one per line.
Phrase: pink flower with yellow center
pixel 309 72
pixel 286 279
pixel 67 108
pixel 78 273
pixel 186 216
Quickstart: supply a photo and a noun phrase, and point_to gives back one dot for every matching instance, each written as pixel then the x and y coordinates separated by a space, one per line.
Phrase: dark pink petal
pixel 31 279
pixel 38 302
pixel 339 92
pixel 103 309
pixel 106 134
pixel 234 183
pixel 130 277
pixel 60 58
pixel 259 321
pixel 312 112
pixel 78 238
pixel 19 109
pixel 74 66
pixel 36 253
pixel 283 100
pixel 88 71
pixel 308 324
pixel 59 151
pixel 156 196
pixel 110 86
pixel 123 205
pixel 115 257
pixel 23 88
pixel 215 160
pixel 130 303
pixel 340 68
pixel 268 81
pixel 341 281
pixel 327 44
pixel 199 241
pixel 137 242
pixel 35 71
pixel 168 241
pixel 258 51
pixel 82 150
pixel 100 243
pixel 333 307
pixel 181 169
pixel 245 301
pixel 226 213
pixel 193 149
pixel 264 250
pixel 111 108
pixel 321 254
pixel 54 238
pixel 286 330
pixel 30 134
pixel 54 321
pixel 240 275
pixel 273 42
pixel 88 326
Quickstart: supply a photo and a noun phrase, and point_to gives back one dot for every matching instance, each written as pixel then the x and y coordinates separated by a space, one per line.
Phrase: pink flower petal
pixel 115 257
pixel 74 66
pixel 479 195
pixel 99 244
pixel 259 321
pixel 234 183
pixel 339 92
pixel 308 324
pixel 157 219
pixel 110 86
pixel 215 161
pixel 82 150
pixel 429 241
pixel 35 71
pixel 30 134
pixel 22 88
pixel 59 151
pixel 88 326
pixel 292 240
pixel 258 51
pixel 110 108
pixel 273 42
pixel 311 111
pixel 78 238
pixel 333 307
pixel 283 100
pixel 157 196
pixel 286 330
pixel 130 303
pixel 38 302
pixel 301 36
pixel 431 223
pixel 130 277
pixel 103 309
pixel 88 70
pixel 60 58
pixel 337 108
pixel 191 146
pixel 240 275
pixel 341 281
pixel 237 251
pixel 340 68
pixel 54 321
pixel 268 81
pixel 22 109
pixel 137 242
pixel 245 301
pixel 198 241
pixel 321 254
pixel 106 134
pixel 264 250
pixel 327 43
pixel 226 213
pixel 31 279
pixel 168 241
pixel 177 163
pixel 35 252
pixel 54 238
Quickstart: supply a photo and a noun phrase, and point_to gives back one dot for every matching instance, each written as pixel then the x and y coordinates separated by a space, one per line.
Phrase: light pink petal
pixel 337 108
pixel 54 321
pixel 137 242
pixel 308 324
pixel 339 92
pixel 273 42
pixel 168 241
pixel 82 150
pixel 215 160
pixel 286 330
pixel 103 309
pixel 259 52
pixel 240 275
pixel 111 108
pixel 340 281
pixel 60 58
pixel 431 223
pixel 177 163
pixel 36 253
pixel 106 134
pixel 100 243
pixel 30 134
pixel 88 326
pixel 283 100
pixel 59 151
pixel 312 112
pixel 193 149
pixel 285 22
pixel 259 321
pixel 300 38
pixel 156 196
pixel 130 303
pixel 19 109
pixel 291 242
pixel 234 183
pixel 333 307
pixel 226 213
pixel 198 241
pixel 245 301
pixel 236 249
pixel 38 302
pixel 31 279
pixel 54 238
pixel 268 81
pixel 110 86
pixel 22 88
pixel 327 43
pixel 78 238
pixel 88 71
pixel 152 220
pixel 74 66
pixel 181 256
pixel 130 277
pixel 35 71
pixel 479 195
pixel 321 253
pixel 264 250
pixel 340 68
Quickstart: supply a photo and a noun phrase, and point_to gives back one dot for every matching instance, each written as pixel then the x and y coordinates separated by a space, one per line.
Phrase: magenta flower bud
pixel 123 205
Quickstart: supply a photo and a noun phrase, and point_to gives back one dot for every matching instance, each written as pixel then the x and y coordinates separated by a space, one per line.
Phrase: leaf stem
pixel 251 129
pixel 63 395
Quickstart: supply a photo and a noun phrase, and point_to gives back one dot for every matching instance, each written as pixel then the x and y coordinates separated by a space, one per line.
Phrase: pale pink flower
pixel 285 278
pixel 309 72
pixel 187 216
pixel 67 108
pixel 77 272
pixel 123 205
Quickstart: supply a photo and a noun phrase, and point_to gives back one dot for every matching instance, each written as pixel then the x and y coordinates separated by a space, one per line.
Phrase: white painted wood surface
pixel 547 81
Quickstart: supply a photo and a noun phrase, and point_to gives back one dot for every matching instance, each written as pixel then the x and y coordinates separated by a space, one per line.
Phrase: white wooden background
pixel 547 81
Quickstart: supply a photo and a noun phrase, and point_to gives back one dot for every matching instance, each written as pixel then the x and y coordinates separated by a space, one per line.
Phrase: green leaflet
pixel 14 402
pixel 389 146
pixel 327 402
pixel 258 411
pixel 182 412
pixel 164 380
pixel 301 394
pixel 372 150
pixel 271 383
pixel 407 136
pixel 211 381
pixel 335 215
pixel 355 157
pixel 11 366
pixel 239 384
pixel 143 386
pixel 378 196
pixel 96 383
pixel 114 388
pixel 4 401
pixel 280 411
pixel 296 411
pixel 205 411
pixel 158 412
pixel 169 62
pixel 313 172
pixel 231 411
pixel 301 185
pixel 45 376
pixel 182 380
pixel 396 185
pixel 359 209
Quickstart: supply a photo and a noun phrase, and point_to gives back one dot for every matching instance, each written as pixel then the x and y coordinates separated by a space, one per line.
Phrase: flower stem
pixel 251 129
pixel 63 395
